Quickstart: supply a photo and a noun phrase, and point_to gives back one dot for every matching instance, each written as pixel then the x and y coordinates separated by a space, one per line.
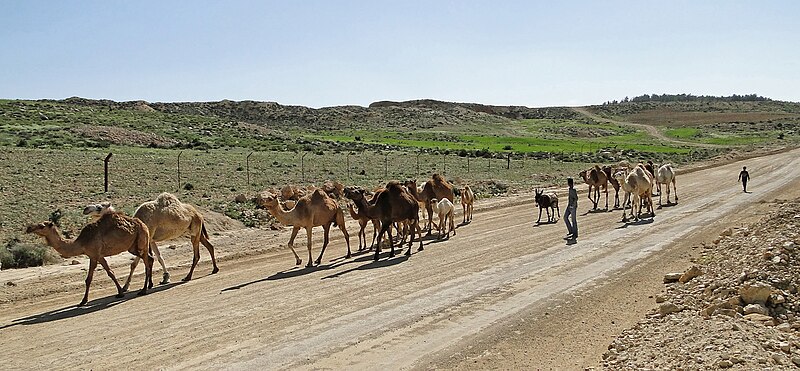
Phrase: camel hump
pixel 167 199
pixel 318 195
pixel 437 178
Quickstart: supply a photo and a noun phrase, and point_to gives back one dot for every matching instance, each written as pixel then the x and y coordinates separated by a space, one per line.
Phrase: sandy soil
pixel 503 293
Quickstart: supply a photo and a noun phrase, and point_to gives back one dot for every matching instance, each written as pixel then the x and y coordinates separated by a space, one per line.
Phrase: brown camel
pixel 467 201
pixel 614 183
pixel 396 204
pixel 168 218
pixel 315 209
pixel 595 178
pixel 110 235
pixel 362 218
pixel 437 188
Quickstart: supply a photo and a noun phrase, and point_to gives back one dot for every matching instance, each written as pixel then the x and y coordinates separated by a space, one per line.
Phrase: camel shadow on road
pixel 90 307
pixel 373 264
pixel 362 256
pixel 638 222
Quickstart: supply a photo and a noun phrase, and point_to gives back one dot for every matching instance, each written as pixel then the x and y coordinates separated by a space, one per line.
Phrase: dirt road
pixel 502 293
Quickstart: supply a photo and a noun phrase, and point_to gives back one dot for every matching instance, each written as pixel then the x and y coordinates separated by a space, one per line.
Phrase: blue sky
pixel 324 53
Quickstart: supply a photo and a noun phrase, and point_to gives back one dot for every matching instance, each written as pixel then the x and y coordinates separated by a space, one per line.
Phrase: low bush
pixel 16 254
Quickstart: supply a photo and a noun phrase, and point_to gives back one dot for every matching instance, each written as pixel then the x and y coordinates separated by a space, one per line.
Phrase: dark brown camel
pixel 436 188
pixel 614 183
pixel 359 215
pixel 395 204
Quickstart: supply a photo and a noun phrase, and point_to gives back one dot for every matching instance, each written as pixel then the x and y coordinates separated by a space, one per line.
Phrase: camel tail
pixel 203 230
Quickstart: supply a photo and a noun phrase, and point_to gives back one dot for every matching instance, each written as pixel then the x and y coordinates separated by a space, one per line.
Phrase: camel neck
pixel 64 248
pixel 283 216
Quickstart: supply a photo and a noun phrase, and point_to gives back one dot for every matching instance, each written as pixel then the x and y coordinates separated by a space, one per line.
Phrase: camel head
pixel 42 229
pixel 97 210
pixel 620 175
pixel 582 174
pixel 411 184
pixel 267 199
pixel 354 193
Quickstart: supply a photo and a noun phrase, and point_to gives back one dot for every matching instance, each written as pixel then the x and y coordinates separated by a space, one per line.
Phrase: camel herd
pixel 638 182
pixel 396 206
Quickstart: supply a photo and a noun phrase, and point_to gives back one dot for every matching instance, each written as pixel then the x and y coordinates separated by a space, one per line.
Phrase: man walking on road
pixel 571 211
pixel 744 176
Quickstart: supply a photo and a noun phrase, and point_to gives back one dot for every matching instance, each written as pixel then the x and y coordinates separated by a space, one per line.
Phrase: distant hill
pixel 81 122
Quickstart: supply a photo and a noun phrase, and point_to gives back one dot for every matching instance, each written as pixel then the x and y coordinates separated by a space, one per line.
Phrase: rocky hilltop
pixel 384 114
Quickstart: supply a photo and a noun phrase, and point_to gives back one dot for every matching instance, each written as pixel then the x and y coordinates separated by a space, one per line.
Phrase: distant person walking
pixel 744 176
pixel 571 211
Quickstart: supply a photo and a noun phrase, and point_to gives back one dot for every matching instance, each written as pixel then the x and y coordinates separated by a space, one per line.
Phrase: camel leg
pixel 326 228
pixel 384 227
pixel 343 228
pixel 134 263
pixel 429 209
pixel 362 235
pixel 111 275
pixel 375 225
pixel 298 261
pixel 606 192
pixel 157 253
pixel 308 246
pixel 195 258
pixel 148 274
pixel 676 190
pixel 89 275
pixel 452 223
pixel 419 232
pixel 210 248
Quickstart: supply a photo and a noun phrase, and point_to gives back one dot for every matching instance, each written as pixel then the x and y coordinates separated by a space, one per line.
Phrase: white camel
pixel 446 210
pixel 666 175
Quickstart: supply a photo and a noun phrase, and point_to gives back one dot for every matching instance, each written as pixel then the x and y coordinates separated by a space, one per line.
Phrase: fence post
pixel 468 164
pixel 303 166
pixel 385 166
pixel 444 162
pixel 508 162
pixel 348 165
pixel 248 171
pixel 179 171
pixel 105 168
pixel 417 174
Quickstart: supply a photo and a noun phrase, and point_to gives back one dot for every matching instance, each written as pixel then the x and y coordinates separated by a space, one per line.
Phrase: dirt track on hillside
pixel 503 293
pixel 650 129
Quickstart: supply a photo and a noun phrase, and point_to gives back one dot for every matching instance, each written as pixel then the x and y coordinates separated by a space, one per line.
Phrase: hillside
pixel 426 124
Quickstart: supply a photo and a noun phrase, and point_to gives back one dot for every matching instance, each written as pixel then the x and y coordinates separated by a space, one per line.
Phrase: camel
pixel 595 178
pixel 637 184
pixel 614 183
pixel 467 201
pixel 445 209
pixel 547 201
pixel 111 234
pixel 312 210
pixel 363 219
pixel 168 218
pixel 666 175
pixel 437 188
pixel 395 204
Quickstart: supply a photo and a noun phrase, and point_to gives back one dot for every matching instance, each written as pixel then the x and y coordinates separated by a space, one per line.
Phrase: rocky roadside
pixel 737 307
